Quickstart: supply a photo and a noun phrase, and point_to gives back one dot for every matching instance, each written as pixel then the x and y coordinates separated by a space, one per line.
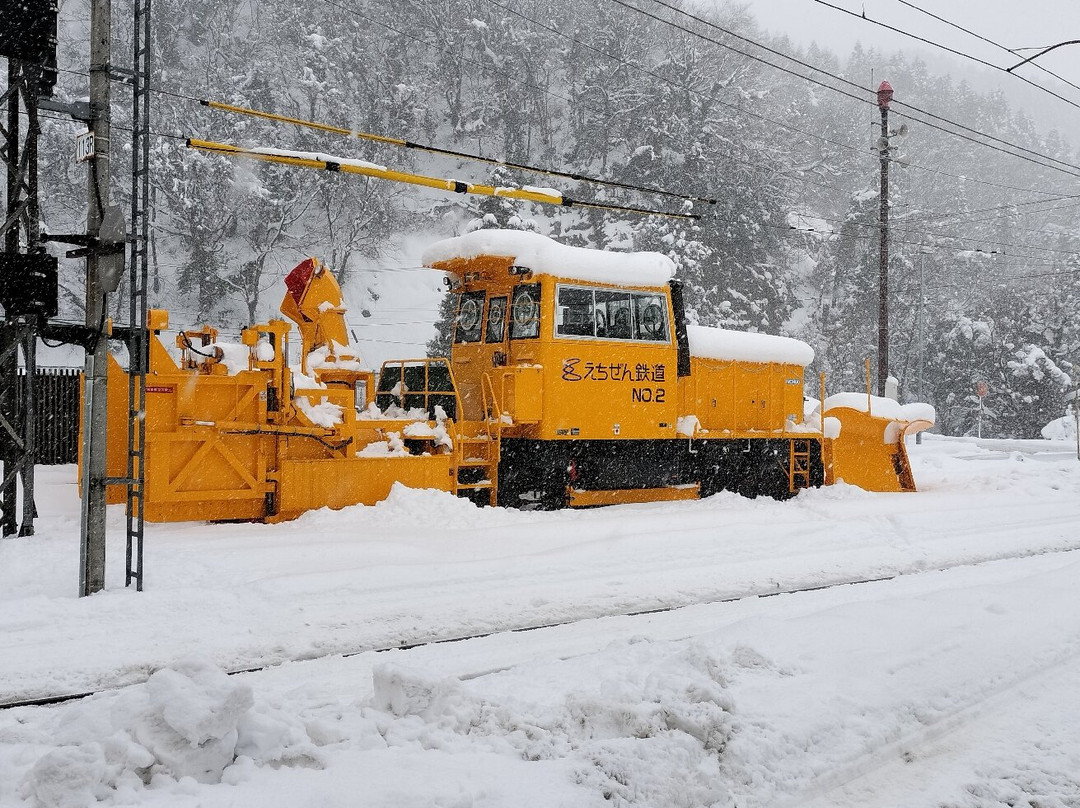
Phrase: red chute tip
pixel 297 280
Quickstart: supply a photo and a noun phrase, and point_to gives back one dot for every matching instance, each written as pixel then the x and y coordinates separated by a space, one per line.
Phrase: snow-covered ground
pixel 955 683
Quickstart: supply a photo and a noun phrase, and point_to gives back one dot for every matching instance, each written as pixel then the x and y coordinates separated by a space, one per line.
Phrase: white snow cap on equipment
pixel 745 346
pixel 545 256
pixel 882 407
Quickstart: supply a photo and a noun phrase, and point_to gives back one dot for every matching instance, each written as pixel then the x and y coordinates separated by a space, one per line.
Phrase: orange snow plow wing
pixel 869 451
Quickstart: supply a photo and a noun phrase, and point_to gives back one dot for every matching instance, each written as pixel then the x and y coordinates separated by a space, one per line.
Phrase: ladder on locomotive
pixel 799 464
pixel 479 447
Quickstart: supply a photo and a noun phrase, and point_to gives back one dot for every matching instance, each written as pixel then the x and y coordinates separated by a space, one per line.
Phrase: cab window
pixel 575 315
pixel 496 319
pixel 525 312
pixel 611 314
pixel 650 317
pixel 470 317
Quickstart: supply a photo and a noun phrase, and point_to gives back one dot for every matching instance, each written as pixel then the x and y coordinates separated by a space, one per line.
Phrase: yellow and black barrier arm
pixel 408 144
pixel 349 166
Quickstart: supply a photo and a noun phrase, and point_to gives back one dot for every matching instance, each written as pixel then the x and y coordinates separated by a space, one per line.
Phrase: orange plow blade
pixel 869 451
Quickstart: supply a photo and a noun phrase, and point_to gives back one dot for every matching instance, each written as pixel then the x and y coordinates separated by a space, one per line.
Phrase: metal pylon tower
pixel 20 247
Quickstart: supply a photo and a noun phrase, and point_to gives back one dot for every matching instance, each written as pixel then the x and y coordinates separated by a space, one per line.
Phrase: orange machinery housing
pixel 573 380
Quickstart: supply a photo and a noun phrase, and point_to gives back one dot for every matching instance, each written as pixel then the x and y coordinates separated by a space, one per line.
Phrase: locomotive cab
pixel 557 347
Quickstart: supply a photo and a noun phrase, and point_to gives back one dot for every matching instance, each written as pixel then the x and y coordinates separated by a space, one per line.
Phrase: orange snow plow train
pixel 573 381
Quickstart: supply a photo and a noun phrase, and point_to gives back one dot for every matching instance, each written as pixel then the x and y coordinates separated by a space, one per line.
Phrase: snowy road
pixel 956 687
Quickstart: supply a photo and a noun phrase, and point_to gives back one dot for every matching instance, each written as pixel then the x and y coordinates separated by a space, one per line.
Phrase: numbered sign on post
pixel 981 389
pixel 84 147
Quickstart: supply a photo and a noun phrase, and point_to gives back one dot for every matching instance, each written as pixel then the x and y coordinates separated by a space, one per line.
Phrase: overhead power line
pixel 737 158
pixel 1026 154
pixel 899 228
pixel 946 48
pixel 1074 169
pixel 982 38
pixel 575 102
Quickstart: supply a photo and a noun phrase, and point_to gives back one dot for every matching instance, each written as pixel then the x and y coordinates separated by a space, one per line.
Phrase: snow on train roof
pixel 746 346
pixel 545 256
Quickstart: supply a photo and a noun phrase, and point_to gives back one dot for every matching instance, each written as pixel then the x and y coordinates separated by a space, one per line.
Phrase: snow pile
pixel 438 432
pixel 687 426
pixel 325 414
pixel 882 407
pixel 545 256
pixel 188 724
pixel 320 157
pixel 334 355
pixel 264 351
pixel 393 446
pixel 234 356
pixel 643 724
pixel 539 189
pixel 1063 428
pixel 302 381
pixel 391 413
pixel 745 346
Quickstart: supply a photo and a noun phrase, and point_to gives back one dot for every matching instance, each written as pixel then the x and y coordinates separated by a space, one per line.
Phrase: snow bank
pixel 882 407
pixel 1063 428
pixel 189 722
pixel 545 256
pixel 744 346
pixel 638 724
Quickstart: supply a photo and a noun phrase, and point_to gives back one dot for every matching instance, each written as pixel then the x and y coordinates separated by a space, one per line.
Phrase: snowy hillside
pixel 951 680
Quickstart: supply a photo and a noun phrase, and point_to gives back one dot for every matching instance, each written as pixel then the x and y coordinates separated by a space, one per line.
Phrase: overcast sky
pixel 1014 24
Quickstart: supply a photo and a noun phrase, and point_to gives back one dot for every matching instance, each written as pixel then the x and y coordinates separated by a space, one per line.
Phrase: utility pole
pixel 95 410
pixel 884 96
pixel 922 330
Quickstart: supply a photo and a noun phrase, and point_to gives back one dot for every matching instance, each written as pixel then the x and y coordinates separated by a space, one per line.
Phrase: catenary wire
pixel 834 233
pixel 987 40
pixel 946 48
pixel 188 97
pixel 1076 168
pixel 1034 154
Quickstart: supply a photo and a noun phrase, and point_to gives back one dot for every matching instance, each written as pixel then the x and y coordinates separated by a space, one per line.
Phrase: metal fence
pixel 56 422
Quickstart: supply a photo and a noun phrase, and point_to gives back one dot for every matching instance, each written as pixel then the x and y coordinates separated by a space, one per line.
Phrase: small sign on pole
pixel 981 389
pixel 84 147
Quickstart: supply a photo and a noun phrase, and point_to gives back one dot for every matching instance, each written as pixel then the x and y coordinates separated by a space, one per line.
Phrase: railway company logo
pixel 574 370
